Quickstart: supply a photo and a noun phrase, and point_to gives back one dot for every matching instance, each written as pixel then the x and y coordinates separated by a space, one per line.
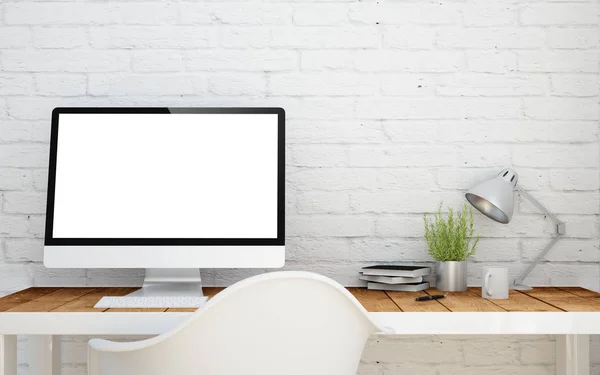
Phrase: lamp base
pixel 520 287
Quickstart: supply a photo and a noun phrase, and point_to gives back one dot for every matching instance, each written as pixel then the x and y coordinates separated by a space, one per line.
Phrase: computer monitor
pixel 166 188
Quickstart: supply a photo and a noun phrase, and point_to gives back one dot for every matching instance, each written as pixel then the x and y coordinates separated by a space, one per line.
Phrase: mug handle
pixel 486 283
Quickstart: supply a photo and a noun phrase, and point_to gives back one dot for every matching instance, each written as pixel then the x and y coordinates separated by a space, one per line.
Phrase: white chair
pixel 293 323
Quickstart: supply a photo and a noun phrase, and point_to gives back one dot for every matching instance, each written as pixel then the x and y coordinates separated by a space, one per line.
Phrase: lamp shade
pixel 495 198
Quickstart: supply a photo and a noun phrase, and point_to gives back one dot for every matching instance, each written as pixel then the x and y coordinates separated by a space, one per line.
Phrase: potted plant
pixel 451 241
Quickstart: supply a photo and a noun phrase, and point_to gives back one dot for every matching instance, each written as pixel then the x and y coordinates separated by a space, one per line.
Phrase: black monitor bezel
pixel 279 241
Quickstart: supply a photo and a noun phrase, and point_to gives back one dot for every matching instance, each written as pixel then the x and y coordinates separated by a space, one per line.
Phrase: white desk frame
pixel 45 329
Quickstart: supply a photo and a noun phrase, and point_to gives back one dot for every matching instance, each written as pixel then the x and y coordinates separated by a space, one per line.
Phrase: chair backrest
pixel 294 323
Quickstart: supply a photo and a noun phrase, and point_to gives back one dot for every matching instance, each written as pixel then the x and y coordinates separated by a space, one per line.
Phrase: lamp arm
pixel 560 230
pixel 560 225
pixel 531 266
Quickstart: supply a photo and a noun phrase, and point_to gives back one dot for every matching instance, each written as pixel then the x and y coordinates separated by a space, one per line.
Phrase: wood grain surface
pixel 406 302
pixel 552 299
pixel 564 300
pixel 518 301
pixel 374 300
pixel 465 301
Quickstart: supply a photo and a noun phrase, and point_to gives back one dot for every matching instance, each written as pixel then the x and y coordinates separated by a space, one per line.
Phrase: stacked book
pixel 396 278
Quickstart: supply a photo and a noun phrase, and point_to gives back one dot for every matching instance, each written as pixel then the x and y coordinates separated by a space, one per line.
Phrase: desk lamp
pixel 495 198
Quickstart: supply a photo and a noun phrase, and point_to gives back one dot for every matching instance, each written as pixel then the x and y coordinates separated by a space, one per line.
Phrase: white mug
pixel 495 283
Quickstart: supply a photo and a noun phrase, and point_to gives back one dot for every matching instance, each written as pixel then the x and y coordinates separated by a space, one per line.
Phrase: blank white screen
pixel 166 176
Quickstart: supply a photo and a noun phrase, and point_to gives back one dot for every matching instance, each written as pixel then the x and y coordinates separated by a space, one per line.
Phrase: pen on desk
pixel 428 298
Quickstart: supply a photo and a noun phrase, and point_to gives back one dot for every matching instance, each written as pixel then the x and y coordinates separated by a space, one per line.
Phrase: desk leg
pixel 44 355
pixel 8 355
pixel 573 355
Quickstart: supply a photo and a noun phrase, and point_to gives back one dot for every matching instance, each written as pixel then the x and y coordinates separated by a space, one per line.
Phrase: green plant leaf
pixel 451 237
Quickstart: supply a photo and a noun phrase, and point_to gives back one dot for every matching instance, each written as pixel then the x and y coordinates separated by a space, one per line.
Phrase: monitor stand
pixel 170 282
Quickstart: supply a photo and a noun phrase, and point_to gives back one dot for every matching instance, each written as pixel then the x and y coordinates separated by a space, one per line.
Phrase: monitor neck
pixel 163 282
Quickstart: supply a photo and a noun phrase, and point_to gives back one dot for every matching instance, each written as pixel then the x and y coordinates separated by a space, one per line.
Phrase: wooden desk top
pixel 553 299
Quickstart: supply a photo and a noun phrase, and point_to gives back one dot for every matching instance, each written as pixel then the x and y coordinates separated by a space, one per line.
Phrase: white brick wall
pixel 453 355
pixel 391 106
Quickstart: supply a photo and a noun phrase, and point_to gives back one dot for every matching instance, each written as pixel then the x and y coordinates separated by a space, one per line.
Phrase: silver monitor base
pixel 170 282
pixel 163 288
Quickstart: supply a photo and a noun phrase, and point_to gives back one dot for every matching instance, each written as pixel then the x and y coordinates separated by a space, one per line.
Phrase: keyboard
pixel 128 302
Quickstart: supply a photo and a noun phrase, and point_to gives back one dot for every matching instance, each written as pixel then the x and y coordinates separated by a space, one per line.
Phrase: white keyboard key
pixel 128 302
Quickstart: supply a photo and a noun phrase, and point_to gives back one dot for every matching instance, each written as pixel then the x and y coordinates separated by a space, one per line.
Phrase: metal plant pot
pixel 451 276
